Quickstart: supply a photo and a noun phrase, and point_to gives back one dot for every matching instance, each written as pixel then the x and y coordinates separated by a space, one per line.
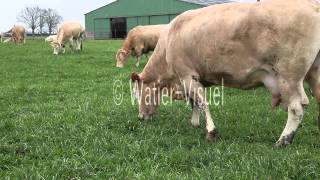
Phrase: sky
pixel 72 10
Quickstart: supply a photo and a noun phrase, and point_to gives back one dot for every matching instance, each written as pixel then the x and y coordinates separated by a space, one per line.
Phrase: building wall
pixel 137 12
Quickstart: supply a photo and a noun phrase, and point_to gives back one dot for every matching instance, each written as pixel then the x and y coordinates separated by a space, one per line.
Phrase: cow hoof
pixel 281 143
pixel 212 136
pixel 195 125
pixel 285 140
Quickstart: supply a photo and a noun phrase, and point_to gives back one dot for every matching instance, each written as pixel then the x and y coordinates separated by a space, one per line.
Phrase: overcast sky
pixel 68 9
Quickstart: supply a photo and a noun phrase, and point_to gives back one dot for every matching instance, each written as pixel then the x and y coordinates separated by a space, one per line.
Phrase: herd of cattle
pixel 71 33
pixel 273 43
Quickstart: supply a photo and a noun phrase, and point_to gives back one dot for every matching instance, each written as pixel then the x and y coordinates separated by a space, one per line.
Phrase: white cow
pixel 69 32
pixel 51 38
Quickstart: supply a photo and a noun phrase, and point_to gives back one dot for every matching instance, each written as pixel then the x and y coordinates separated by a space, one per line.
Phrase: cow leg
pixel 195 114
pixel 196 92
pixel 71 44
pixel 313 79
pixel 294 96
pixel 138 61
pixel 78 45
pixel 138 51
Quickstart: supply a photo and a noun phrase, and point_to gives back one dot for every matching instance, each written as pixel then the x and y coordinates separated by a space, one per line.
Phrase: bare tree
pixel 52 19
pixel 30 16
pixel 42 20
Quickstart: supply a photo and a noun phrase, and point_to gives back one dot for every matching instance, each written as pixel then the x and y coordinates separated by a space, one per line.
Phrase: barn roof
pixel 199 2
pixel 207 2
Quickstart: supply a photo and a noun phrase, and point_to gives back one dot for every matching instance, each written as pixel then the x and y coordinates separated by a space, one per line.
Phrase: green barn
pixel 116 19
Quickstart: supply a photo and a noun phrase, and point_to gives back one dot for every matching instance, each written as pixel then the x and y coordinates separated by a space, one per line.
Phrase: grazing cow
pixel 274 43
pixel 51 38
pixel 18 35
pixel 69 32
pixel 8 40
pixel 140 40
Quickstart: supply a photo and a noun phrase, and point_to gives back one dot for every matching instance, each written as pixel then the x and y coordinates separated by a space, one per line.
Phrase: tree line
pixel 40 20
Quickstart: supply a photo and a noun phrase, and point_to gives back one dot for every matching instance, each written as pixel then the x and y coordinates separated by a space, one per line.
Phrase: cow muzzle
pixel 144 116
pixel 119 65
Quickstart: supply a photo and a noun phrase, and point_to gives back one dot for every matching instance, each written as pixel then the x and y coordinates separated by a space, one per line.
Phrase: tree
pixel 30 16
pixel 42 20
pixel 52 19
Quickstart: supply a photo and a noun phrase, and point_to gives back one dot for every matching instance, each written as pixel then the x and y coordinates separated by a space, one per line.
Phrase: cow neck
pixel 126 46
pixel 156 69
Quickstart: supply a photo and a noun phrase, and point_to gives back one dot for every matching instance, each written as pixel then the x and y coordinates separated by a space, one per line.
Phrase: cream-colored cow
pixel 274 43
pixel 51 38
pixel 18 35
pixel 1 37
pixel 69 32
pixel 140 40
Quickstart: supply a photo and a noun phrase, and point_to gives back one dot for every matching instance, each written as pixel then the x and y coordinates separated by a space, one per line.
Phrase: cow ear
pixel 135 77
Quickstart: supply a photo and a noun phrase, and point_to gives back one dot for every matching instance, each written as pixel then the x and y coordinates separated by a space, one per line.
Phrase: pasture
pixel 58 120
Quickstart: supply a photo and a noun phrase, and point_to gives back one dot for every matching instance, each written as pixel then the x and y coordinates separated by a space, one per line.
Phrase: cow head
pixel 121 57
pixel 57 47
pixel 148 94
pixel 7 40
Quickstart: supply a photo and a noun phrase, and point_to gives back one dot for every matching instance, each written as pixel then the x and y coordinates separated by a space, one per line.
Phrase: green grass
pixel 58 121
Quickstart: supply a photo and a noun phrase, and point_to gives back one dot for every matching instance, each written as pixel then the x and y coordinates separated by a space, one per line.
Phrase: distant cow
pixel 1 37
pixel 69 32
pixel 51 38
pixel 18 35
pixel 140 40
pixel 274 43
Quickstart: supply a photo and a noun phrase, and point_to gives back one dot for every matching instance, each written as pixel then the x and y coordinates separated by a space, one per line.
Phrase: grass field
pixel 59 121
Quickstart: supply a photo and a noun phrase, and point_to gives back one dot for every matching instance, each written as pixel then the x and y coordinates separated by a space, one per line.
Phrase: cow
pixel 18 35
pixel 69 32
pixel 140 40
pixel 1 37
pixel 51 38
pixel 273 43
